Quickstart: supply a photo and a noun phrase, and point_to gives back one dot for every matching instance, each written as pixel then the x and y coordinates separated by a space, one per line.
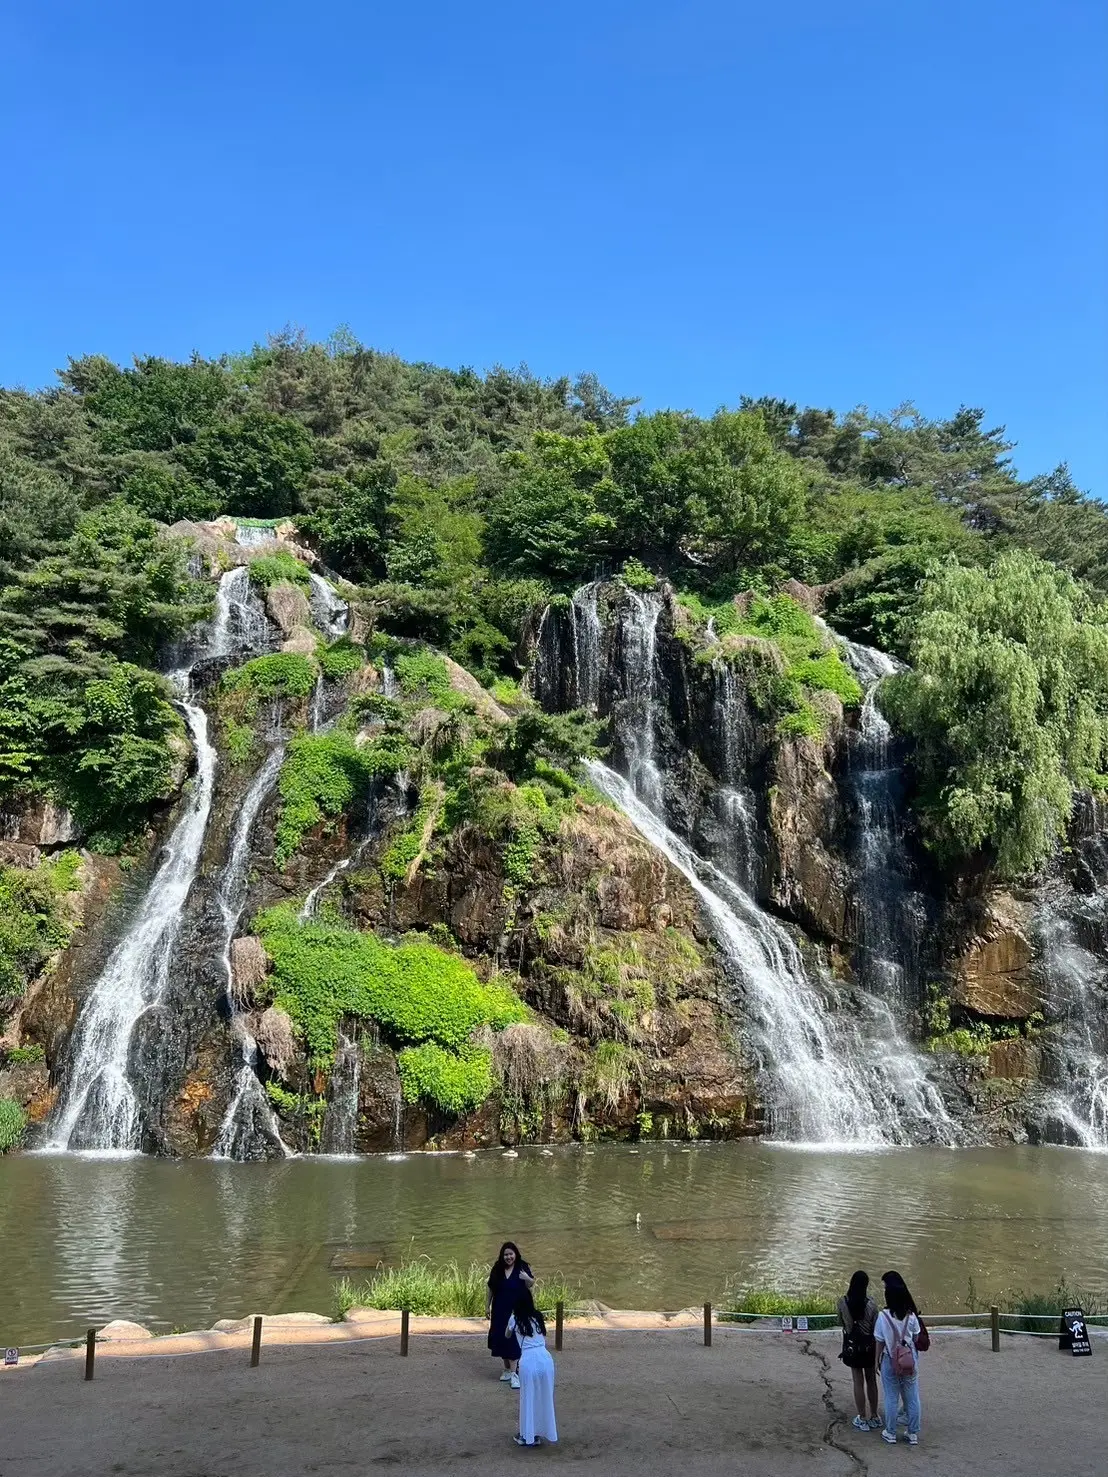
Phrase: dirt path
pixel 632 1404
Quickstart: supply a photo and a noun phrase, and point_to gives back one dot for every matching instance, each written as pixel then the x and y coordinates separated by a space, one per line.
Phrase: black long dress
pixel 502 1344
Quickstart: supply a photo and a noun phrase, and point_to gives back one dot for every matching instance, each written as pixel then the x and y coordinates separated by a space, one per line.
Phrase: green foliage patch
pixel 455 1081
pixel 444 1290
pixel 13 1121
pixel 32 924
pixel 340 659
pixel 278 568
pixel 283 675
pixel 417 993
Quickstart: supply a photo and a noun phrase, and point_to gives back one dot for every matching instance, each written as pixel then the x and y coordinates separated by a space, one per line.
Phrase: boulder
pixel 302 641
pixel 287 607
pixel 19 854
pixel 993 975
pixel 1017 1057
pixel 37 821
pixel 468 685
pixel 121 1332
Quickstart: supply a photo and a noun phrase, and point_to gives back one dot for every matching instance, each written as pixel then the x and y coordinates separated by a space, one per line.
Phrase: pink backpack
pixel 903 1352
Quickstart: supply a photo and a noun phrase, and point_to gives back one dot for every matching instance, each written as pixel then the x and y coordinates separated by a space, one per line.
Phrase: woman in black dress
pixel 509 1274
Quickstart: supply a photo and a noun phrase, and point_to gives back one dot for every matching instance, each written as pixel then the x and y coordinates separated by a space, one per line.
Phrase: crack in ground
pixel 832 1410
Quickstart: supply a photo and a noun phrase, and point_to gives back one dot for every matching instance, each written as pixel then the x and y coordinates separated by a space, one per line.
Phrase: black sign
pixel 1073 1333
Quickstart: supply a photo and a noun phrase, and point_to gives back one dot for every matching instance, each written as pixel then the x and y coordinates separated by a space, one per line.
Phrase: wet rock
pixel 808 882
pixel 287 607
pixel 993 975
pixel 19 854
pixel 1017 1057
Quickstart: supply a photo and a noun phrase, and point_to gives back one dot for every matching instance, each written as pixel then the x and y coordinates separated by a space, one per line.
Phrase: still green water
pixel 172 1244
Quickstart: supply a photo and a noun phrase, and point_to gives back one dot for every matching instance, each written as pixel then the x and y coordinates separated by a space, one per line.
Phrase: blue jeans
pixel 895 1386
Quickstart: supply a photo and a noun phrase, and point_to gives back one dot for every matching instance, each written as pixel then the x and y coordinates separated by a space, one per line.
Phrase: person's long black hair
pixel 856 1295
pixel 497 1275
pixel 528 1318
pixel 899 1300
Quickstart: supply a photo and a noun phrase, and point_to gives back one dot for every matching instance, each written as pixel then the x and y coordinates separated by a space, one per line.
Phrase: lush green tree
pixel 156 406
pixel 256 463
pixel 1007 707
pixel 544 521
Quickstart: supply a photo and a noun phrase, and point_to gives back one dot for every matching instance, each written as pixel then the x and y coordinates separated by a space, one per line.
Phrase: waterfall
pixel 639 631
pixel 888 915
pixel 587 633
pixel 734 802
pixel 340 1123
pixel 828 1079
pixel 330 613
pixel 1077 983
pixel 240 623
pixel 98 1107
pixel 250 538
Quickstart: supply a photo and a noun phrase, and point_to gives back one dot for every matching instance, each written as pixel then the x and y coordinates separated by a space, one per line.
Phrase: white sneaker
pixel 506 1376
pixel 913 1438
pixel 515 1381
pixel 859 1424
pixel 886 1437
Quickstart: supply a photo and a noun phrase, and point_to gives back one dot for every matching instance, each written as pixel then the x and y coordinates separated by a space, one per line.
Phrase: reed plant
pixel 747 1304
pixel 444 1289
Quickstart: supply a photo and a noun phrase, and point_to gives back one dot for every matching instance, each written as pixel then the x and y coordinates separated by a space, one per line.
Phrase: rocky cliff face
pixel 759 943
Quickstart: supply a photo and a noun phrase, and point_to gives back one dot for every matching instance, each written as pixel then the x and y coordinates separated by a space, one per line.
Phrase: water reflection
pixel 182 1244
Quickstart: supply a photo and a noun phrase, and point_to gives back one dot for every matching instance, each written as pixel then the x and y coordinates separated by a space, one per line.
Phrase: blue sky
pixel 865 202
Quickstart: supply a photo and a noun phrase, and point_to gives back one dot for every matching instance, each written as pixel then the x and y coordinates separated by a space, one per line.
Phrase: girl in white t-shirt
pixel 896 1332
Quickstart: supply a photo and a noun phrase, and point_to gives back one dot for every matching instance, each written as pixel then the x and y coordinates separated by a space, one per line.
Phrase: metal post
pixel 559 1319
pixel 404 1332
pixel 707 1325
pixel 995 1315
pixel 90 1353
pixel 256 1346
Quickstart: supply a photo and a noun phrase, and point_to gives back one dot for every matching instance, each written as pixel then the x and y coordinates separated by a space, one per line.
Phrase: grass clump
pixel 278 568
pixel 819 1307
pixel 422 674
pixel 444 1290
pixel 238 739
pixel 13 1120
pixel 21 1056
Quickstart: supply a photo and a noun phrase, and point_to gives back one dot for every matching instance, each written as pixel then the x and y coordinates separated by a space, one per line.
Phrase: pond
pixel 179 1244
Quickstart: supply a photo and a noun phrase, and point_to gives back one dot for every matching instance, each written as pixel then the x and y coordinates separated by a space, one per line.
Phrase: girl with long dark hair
pixel 858 1315
pixel 536 1373
pixel 898 1332
pixel 510 1273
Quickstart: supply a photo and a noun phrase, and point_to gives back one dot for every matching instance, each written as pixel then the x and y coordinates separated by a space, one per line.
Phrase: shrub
pixel 414 990
pixel 340 659
pixel 636 576
pixel 456 1082
pixel 31 921
pixel 321 775
pixel 238 739
pixel 422 672
pixel 278 568
pixel 13 1120
pixel 281 675
pixel 26 1055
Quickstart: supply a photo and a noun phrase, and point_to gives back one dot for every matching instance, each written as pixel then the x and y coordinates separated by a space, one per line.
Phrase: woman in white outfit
pixel 536 1374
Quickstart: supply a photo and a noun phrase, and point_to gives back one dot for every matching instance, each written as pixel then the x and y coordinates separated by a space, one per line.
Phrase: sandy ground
pixel 630 1403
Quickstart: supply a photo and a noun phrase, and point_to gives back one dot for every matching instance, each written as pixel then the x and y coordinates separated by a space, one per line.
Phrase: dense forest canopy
pixel 461 502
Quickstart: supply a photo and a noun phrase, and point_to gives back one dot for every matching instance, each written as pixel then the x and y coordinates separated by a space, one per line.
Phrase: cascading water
pixel 248 1116
pixel 98 1107
pixel 340 1123
pixel 889 918
pixel 734 801
pixel 330 613
pixel 830 1075
pixel 587 635
pixel 828 1080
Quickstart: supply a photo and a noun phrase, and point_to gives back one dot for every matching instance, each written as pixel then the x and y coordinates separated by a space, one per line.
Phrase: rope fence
pixel 994 1322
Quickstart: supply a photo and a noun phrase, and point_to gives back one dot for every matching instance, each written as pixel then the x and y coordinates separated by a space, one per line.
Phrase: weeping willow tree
pixel 1007 702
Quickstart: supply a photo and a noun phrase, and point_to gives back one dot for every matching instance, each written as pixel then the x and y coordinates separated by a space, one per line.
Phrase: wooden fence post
pixel 707 1325
pixel 256 1346
pixel 404 1332
pixel 559 1319
pixel 995 1315
pixel 90 1353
